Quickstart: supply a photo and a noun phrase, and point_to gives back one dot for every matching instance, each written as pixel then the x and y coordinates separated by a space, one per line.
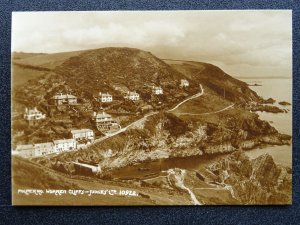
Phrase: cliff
pixel 257 181
pixel 167 136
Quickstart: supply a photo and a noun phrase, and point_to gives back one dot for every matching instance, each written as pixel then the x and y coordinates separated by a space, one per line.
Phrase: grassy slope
pixel 21 75
pixel 29 175
pixel 49 61
pixel 208 102
pixel 107 68
pixel 28 66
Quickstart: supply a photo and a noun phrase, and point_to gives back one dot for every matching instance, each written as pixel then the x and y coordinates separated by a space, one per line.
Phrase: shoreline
pixel 161 164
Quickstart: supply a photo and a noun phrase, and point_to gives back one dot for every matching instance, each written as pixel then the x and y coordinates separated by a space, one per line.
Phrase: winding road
pixel 188 99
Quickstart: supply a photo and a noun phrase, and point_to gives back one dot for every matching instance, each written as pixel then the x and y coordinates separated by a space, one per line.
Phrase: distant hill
pixel 49 61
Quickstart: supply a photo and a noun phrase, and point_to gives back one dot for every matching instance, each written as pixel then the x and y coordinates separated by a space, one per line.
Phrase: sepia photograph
pixel 189 107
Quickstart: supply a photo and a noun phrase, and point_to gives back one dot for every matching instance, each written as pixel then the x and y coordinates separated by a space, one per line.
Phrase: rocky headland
pixel 256 181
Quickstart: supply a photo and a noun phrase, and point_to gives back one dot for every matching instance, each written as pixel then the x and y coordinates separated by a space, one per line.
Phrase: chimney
pixel 26 110
pixel 100 93
pixel 95 114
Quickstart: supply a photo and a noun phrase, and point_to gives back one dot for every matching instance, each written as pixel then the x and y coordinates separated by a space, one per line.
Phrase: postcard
pixel 152 107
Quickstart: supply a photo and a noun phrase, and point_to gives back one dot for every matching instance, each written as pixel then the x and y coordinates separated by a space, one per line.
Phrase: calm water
pixel 279 89
pixel 153 167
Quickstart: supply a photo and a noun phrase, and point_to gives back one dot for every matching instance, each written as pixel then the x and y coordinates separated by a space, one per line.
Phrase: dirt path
pixel 179 182
pixel 188 99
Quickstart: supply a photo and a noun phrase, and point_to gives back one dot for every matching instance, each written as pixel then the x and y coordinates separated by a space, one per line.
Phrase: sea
pixel 279 89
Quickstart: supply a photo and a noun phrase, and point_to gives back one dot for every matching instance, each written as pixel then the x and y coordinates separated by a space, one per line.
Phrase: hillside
pixel 121 69
pixel 115 70
pixel 29 175
pixel 118 70
pixel 216 79
pixel 30 66
pixel 212 116
pixel 48 61
pixel 38 77
pixel 22 74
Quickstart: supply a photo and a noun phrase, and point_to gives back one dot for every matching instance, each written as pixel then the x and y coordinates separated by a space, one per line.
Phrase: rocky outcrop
pixel 155 141
pixel 257 181
pixel 268 101
pixel 267 108
pixel 284 103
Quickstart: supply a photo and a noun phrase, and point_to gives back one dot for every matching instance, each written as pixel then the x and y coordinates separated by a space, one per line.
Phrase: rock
pixel 248 144
pixel 257 181
pixel 269 101
pixel 284 103
pixel 265 170
pixel 275 139
pixel 267 108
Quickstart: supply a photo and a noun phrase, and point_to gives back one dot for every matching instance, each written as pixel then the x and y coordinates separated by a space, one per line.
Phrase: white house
pixel 64 99
pixel 133 95
pixel 33 114
pixel 25 151
pixel 34 150
pixel 64 145
pixel 184 83
pixel 103 118
pixel 105 97
pixel 105 123
pixel 41 149
pixel 83 134
pixel 157 90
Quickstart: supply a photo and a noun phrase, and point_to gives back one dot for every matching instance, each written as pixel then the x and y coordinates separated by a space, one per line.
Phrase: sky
pixel 244 43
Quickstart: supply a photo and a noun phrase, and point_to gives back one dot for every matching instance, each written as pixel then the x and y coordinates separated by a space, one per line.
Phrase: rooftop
pixel 103 115
pixel 105 94
pixel 63 141
pixel 81 131
pixel 85 163
pixel 24 147
pixel 63 96
pixel 32 111
pixel 133 93
pixel 43 144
